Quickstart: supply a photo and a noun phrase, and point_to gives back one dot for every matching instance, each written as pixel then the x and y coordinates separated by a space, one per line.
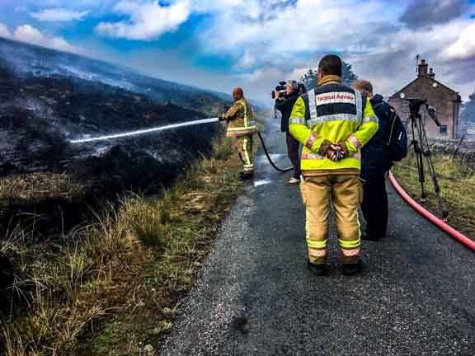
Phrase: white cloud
pixel 392 64
pixel 283 30
pixel 59 14
pixel 29 34
pixel 247 59
pixel 4 32
pixel 292 36
pixel 464 46
pixel 147 20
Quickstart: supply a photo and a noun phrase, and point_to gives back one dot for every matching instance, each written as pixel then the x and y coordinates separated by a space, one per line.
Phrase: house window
pixel 443 129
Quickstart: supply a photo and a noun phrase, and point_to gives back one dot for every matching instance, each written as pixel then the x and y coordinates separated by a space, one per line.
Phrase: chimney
pixel 423 66
pixel 431 73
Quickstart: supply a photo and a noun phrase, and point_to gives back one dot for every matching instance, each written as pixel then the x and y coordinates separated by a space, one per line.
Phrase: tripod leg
pixel 422 179
pixel 418 152
pixel 435 181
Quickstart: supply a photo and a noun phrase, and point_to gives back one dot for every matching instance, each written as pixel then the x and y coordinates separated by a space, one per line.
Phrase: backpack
pixel 397 140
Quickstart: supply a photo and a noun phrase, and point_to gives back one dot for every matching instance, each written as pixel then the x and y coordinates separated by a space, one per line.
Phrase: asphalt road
pixel 255 296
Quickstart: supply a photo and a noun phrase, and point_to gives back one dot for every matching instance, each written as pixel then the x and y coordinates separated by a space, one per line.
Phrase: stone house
pixel 446 101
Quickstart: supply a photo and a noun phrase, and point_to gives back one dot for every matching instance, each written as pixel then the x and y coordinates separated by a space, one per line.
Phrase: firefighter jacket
pixel 330 114
pixel 239 117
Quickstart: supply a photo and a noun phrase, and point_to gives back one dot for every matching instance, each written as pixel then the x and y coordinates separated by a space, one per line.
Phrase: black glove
pixel 222 117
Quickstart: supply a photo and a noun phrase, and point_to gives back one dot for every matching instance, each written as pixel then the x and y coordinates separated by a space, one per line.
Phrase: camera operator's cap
pixel 292 84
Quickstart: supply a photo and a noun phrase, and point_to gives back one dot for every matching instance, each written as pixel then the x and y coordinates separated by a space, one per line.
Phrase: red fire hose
pixel 431 217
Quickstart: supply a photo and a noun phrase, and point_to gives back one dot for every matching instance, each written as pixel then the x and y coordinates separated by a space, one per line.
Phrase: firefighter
pixel 239 118
pixel 332 122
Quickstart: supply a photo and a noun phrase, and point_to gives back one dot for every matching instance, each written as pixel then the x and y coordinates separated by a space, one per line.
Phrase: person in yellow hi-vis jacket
pixel 240 127
pixel 332 122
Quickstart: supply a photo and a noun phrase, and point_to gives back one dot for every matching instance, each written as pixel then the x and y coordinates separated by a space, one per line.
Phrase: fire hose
pixel 464 240
pixel 283 170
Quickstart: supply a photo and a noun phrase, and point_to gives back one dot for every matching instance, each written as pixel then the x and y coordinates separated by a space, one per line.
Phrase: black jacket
pixel 285 107
pixel 375 156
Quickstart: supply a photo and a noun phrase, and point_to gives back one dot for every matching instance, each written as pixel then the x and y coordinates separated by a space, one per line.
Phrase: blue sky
pixel 255 43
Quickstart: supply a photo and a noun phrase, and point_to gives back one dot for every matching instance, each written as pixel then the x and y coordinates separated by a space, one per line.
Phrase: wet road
pixel 255 296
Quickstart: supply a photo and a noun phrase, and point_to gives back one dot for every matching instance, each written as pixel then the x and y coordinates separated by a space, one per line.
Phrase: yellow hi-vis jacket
pixel 239 117
pixel 332 113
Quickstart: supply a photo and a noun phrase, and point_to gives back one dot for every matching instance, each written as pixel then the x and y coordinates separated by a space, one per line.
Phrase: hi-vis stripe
pixel 333 117
pixel 316 244
pixel 359 106
pixel 371 119
pixel 241 131
pixel 349 244
pixel 297 120
pixel 312 104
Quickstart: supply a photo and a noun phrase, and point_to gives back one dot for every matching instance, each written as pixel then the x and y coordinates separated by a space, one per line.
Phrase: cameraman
pixel 284 103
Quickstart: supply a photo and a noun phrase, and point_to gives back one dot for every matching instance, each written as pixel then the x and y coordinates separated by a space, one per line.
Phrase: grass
pixel 457 184
pixel 113 287
pixel 39 186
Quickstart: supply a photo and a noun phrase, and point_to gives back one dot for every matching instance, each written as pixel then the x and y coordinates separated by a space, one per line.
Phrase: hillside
pixel 49 97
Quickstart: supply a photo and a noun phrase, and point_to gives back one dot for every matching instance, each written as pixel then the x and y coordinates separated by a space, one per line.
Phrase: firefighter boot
pixel 320 269
pixel 243 175
pixel 350 269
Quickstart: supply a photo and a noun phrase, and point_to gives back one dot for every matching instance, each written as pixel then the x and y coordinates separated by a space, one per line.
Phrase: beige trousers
pixel 244 147
pixel 318 193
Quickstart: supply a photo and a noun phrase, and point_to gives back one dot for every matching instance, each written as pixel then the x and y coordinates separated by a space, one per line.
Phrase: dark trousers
pixel 375 206
pixel 293 149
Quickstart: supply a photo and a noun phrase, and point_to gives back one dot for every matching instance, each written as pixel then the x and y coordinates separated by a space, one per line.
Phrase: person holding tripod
pixel 284 103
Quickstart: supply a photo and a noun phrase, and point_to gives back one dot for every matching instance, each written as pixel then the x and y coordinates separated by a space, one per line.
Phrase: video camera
pixel 414 107
pixel 281 89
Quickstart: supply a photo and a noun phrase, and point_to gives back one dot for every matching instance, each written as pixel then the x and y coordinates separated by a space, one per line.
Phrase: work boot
pixel 320 269
pixel 243 175
pixel 293 180
pixel 350 269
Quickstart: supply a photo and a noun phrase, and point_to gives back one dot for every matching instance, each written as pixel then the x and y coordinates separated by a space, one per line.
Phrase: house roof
pixel 432 79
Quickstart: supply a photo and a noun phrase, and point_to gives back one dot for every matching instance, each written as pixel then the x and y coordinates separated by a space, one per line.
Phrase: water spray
pixel 145 131
pixel 170 127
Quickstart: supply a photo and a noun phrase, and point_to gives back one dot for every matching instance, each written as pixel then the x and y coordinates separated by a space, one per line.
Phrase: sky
pixel 254 44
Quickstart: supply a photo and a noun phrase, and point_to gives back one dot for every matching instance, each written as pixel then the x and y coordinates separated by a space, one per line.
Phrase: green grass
pixel 113 287
pixel 457 184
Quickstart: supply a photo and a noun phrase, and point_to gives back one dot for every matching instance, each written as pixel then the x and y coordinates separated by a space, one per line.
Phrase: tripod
pixel 422 150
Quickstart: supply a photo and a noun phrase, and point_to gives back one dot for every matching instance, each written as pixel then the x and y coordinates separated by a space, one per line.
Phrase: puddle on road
pixel 260 182
pixel 274 157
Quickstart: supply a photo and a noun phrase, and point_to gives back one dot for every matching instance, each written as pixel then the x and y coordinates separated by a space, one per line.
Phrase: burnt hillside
pixel 48 98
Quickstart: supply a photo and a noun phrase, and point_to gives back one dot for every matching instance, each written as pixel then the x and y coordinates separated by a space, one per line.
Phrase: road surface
pixel 255 296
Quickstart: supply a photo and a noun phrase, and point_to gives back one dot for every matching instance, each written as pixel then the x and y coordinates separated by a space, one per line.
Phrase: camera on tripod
pixel 422 149
pixel 415 107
